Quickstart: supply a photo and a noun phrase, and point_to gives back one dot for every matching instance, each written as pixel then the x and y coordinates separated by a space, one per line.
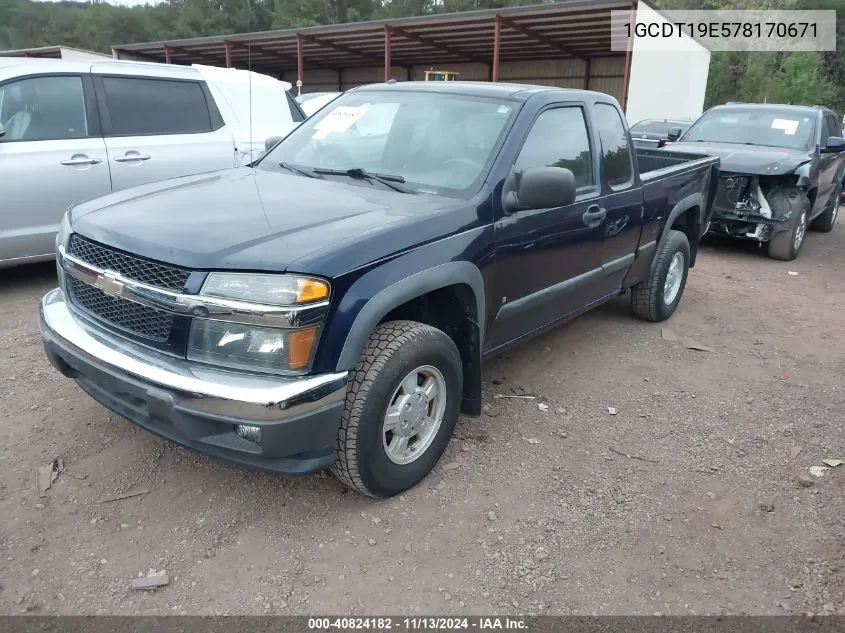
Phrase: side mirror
pixel 674 134
pixel 835 144
pixel 270 143
pixel 542 188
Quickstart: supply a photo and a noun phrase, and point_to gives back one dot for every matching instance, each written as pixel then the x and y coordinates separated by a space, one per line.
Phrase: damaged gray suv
pixel 782 169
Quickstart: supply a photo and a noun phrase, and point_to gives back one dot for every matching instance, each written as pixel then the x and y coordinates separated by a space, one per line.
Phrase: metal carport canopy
pixel 579 29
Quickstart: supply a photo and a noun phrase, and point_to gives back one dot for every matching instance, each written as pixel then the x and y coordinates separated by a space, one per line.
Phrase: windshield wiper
pixel 388 180
pixel 311 173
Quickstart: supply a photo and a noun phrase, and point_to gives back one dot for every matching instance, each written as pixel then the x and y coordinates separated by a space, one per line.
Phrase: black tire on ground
pixel 785 245
pixel 647 297
pixel 827 220
pixel 394 350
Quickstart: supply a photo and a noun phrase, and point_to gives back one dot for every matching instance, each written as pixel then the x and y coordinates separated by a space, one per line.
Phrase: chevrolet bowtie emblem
pixel 109 282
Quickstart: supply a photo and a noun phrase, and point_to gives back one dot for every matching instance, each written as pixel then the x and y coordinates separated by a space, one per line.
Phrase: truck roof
pixel 519 92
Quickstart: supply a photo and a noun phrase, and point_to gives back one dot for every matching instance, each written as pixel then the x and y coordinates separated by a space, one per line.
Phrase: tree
pixel 801 81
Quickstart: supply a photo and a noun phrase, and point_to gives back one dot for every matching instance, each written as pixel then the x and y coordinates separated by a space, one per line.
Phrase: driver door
pixel 548 261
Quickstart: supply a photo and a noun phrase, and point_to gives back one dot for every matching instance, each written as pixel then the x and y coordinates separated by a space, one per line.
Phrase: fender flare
pixel 683 205
pixel 403 291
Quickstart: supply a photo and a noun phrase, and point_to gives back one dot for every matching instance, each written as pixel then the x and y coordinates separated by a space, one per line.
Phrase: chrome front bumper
pixel 196 405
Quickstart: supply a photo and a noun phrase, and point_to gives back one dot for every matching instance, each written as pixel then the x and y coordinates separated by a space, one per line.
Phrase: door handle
pixel 129 159
pixel 594 215
pixel 76 162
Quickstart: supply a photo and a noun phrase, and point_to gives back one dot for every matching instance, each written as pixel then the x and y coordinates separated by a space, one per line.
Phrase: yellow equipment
pixel 440 75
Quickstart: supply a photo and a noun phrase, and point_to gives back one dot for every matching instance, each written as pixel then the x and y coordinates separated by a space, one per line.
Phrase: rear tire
pixel 399 360
pixel 827 220
pixel 657 298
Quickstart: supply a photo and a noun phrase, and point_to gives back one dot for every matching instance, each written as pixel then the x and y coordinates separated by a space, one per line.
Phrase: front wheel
pixel 402 404
pixel 657 298
pixel 827 220
pixel 786 244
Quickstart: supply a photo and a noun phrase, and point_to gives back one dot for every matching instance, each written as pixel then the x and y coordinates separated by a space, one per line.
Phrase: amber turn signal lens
pixel 300 345
pixel 311 290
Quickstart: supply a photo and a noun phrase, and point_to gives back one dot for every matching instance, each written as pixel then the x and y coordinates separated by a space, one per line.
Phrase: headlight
pixel 274 290
pixel 251 348
pixel 64 231
pixel 258 348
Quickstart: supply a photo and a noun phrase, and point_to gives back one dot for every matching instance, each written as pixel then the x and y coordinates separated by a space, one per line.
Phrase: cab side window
pixel 559 138
pixel 43 109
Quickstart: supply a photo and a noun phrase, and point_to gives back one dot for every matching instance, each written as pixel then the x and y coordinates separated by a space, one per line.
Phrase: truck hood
pixel 255 219
pixel 758 160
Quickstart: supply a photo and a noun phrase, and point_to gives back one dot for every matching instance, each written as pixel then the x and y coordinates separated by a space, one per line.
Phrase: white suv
pixel 73 131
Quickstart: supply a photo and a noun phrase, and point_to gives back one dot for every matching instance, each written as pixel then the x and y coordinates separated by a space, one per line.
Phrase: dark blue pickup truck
pixel 331 305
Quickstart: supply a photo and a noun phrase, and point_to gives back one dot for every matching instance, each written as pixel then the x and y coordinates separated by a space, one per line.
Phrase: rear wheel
pixel 657 298
pixel 401 408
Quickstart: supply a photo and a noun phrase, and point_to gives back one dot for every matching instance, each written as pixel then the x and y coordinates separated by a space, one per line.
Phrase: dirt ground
pixel 529 512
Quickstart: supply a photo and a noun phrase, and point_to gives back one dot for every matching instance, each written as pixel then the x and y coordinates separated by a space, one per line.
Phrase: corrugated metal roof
pixel 577 29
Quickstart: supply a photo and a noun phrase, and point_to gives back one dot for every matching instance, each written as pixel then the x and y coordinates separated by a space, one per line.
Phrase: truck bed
pixel 668 178
pixel 656 163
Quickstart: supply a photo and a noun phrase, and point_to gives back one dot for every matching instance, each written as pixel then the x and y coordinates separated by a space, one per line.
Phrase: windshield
pixel 773 127
pixel 657 127
pixel 434 143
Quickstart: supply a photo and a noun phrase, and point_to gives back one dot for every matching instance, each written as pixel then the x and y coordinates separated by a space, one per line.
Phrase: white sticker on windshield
pixel 503 109
pixel 788 126
pixel 340 119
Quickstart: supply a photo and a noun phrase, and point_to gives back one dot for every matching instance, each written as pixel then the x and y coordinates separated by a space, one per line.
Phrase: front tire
pixel 402 405
pixel 795 202
pixel 827 220
pixel 786 245
pixel 657 298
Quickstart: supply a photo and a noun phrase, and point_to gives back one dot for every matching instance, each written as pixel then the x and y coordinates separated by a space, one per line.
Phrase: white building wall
pixel 668 75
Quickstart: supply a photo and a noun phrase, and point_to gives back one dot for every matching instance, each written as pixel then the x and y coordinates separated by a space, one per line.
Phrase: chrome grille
pixel 143 270
pixel 147 322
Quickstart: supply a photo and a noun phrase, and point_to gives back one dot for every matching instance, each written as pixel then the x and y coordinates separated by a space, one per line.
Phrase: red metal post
pixel 388 68
pixel 168 55
pixel 298 64
pixel 497 37
pixel 228 45
pixel 629 50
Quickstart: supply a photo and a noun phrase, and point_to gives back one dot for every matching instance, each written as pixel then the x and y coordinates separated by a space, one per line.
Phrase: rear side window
pixel 139 107
pixel 615 151
pixel 559 138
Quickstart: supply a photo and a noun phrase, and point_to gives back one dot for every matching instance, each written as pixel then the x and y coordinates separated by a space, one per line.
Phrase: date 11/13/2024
pixel 416 623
